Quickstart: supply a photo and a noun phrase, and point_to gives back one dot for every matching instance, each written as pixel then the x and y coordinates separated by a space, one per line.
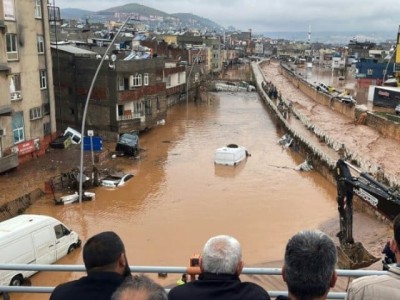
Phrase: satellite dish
pixel 106 57
pixel 113 57
pixel 98 56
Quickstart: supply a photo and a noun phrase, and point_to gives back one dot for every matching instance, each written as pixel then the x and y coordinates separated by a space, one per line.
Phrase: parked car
pixel 397 109
pixel 115 180
pixel 347 99
pixel 325 88
pixel 128 144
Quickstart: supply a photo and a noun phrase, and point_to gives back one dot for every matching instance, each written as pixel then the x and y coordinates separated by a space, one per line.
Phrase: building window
pixel 40 44
pixel 120 110
pixel 38 9
pixel 43 79
pixel 137 109
pixel 12 48
pixel 179 78
pixel 9 10
pixel 46 128
pixel 121 83
pixel 146 79
pixel 136 80
pixel 18 127
pixel 46 109
pixel 147 107
pixel 168 83
pixel 15 87
pixel 35 113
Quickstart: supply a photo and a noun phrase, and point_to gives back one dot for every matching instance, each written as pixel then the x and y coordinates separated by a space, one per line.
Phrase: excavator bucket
pixel 351 254
pixel 354 256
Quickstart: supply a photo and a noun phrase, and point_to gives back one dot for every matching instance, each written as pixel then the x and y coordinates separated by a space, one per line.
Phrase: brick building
pixel 128 94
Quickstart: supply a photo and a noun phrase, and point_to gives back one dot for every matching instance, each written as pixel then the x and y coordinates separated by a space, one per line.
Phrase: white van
pixel 231 155
pixel 33 239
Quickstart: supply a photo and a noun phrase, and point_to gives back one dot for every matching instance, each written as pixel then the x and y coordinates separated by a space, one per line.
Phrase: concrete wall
pixel 385 127
pixel 19 205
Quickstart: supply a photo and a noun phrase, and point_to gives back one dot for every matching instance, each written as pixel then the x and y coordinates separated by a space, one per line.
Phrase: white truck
pixel 33 239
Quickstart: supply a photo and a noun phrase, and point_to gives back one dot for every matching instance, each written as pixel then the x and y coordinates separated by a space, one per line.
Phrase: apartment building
pixel 27 119
pixel 129 94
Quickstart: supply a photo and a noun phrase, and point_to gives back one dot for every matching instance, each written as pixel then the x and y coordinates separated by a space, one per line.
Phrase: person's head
pixel 309 265
pixel 139 287
pixel 222 254
pixel 395 245
pixel 105 252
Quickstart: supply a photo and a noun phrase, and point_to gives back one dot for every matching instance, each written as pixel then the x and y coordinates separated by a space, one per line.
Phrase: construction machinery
pixel 351 254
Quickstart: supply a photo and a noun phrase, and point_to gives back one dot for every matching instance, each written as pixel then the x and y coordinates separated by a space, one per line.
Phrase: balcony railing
pixel 165 270
pixel 128 117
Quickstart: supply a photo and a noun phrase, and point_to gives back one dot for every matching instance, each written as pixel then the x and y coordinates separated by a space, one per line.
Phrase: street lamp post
pixel 393 51
pixel 188 78
pixel 87 105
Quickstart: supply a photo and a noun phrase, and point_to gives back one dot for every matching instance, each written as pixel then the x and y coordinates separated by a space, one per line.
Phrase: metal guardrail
pixel 159 269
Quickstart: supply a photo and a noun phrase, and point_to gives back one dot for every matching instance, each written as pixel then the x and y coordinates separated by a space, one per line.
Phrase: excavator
pixel 351 254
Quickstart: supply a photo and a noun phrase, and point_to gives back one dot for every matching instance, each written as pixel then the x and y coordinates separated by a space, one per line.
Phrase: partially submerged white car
pixel 397 109
pixel 230 155
pixel 115 180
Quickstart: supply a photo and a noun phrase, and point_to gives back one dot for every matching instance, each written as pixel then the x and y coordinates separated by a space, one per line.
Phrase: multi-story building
pixel 27 99
pixel 128 94
pixel 215 58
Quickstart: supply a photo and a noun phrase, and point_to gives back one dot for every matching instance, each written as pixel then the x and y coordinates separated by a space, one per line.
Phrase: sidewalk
pixel 34 173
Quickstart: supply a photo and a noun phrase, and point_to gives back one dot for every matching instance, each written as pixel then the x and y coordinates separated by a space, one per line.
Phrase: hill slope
pixel 184 19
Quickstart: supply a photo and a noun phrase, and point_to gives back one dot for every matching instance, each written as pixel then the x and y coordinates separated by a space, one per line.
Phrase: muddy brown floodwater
pixel 179 198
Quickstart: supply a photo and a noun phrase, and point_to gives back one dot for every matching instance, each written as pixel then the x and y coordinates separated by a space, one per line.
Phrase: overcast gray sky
pixel 274 15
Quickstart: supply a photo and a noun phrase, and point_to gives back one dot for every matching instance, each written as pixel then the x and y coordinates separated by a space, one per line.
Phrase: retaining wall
pixel 389 128
pixel 19 205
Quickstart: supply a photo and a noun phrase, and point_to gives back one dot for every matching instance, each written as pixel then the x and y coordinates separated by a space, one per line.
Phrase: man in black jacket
pixel 220 264
pixel 106 266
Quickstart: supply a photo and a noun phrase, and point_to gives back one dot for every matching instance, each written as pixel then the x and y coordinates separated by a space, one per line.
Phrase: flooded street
pixel 178 198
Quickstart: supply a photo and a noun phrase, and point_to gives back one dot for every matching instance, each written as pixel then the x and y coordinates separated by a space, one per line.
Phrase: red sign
pixel 26 147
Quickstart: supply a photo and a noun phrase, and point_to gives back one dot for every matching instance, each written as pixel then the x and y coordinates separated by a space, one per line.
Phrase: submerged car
pixel 128 144
pixel 397 109
pixel 116 179
pixel 231 155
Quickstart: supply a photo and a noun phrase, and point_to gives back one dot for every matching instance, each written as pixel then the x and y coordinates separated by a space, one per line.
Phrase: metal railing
pixel 163 270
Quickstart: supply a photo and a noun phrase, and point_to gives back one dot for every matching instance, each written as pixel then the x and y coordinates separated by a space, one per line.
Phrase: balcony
pixel 127 117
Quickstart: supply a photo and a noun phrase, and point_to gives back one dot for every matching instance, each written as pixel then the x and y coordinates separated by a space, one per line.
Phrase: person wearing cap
pixel 220 264
pixel 106 267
